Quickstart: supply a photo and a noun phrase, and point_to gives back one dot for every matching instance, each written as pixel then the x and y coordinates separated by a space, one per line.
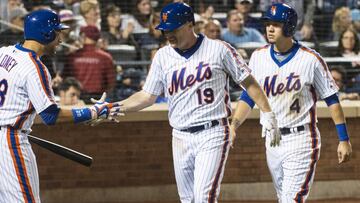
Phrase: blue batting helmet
pixel 41 25
pixel 174 15
pixel 282 13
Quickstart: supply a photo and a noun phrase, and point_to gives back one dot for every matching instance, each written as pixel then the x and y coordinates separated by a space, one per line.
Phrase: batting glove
pixel 270 128
pixel 101 111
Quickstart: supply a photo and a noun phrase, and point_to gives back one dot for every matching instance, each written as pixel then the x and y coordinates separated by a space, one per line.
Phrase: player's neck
pixel 283 46
pixel 190 43
pixel 34 46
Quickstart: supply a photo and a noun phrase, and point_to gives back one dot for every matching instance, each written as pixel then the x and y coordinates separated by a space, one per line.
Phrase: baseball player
pixel 293 77
pixel 25 89
pixel 193 72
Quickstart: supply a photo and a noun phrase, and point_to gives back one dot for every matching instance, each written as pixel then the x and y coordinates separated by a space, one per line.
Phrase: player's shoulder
pixel 263 48
pixel 7 49
pixel 310 53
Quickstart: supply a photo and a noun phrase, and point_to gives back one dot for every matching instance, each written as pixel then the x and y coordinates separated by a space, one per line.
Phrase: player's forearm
pixel 137 101
pixel 65 115
pixel 242 111
pixel 337 113
pixel 256 93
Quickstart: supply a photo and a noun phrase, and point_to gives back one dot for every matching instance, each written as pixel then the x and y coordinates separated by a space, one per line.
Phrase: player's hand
pixel 270 128
pixel 344 151
pixel 115 111
pixel 101 111
pixel 232 135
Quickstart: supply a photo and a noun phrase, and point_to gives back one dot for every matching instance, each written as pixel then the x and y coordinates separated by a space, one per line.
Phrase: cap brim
pixel 167 26
pixel 62 27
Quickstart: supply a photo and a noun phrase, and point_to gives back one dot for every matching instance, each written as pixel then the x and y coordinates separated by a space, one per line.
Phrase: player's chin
pixel 271 40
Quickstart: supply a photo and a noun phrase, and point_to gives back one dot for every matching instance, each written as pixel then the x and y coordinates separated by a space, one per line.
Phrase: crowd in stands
pixel 110 43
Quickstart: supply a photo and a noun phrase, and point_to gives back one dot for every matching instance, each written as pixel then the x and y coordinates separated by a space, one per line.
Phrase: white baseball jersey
pixel 25 88
pixel 294 85
pixel 196 87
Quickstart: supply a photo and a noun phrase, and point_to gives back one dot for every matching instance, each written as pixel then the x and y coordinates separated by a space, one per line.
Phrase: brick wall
pixel 139 154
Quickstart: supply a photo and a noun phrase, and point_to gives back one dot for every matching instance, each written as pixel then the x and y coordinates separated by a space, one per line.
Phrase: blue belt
pixel 198 128
pixel 286 131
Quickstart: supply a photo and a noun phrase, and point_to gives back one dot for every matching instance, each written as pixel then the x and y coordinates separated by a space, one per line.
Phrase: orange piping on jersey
pixel 315 152
pixel 326 68
pixel 235 55
pixel 41 79
pixel 22 165
pixel 262 48
pixel 212 192
pixel 23 116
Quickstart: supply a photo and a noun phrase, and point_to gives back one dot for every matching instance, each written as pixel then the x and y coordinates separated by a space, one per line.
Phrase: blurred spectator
pixel 70 43
pixel 69 35
pixel 69 92
pixel 244 7
pixel 140 18
pixel 349 46
pixel 90 14
pixel 73 5
pixel 341 21
pixel 208 12
pixel 14 33
pixel 355 19
pixel 338 75
pixel 212 29
pixel 236 33
pixel 128 83
pixel 5 8
pixel 33 5
pixel 93 67
pixel 305 10
pixel 111 32
pixel 200 26
pixel 325 10
pixel 150 41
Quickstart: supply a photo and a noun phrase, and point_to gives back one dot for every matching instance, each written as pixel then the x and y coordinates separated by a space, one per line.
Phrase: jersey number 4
pixel 295 106
pixel 207 95
pixel 3 90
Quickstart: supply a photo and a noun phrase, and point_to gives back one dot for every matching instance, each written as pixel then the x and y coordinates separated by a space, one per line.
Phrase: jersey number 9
pixel 207 95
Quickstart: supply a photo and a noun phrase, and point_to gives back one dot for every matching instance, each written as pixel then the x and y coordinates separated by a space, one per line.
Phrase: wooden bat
pixel 62 151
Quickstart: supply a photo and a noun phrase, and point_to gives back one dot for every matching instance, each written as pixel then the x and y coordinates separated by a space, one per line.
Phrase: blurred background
pixel 109 48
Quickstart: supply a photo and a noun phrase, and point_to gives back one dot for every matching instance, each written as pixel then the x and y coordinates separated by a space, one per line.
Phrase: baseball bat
pixel 62 151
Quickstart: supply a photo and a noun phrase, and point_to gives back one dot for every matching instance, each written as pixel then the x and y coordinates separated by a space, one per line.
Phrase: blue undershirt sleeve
pixel 246 98
pixel 333 99
pixel 50 114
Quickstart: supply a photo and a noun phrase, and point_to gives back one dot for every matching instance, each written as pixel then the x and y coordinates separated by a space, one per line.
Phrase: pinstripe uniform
pixel 197 90
pixel 293 87
pixel 24 90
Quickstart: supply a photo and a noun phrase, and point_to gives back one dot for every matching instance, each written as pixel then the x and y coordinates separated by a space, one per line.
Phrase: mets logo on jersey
pixel 179 81
pixel 164 17
pixel 273 10
pixel 293 83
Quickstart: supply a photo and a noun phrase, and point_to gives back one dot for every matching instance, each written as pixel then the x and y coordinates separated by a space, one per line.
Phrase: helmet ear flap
pixel 48 34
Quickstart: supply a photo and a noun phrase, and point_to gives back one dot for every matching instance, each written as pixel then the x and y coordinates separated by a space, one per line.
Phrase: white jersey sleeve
pixel 154 84
pixel 38 86
pixel 324 84
pixel 234 64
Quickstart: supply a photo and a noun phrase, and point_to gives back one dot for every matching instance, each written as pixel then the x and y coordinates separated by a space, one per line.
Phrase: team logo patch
pixel 273 10
pixel 164 17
